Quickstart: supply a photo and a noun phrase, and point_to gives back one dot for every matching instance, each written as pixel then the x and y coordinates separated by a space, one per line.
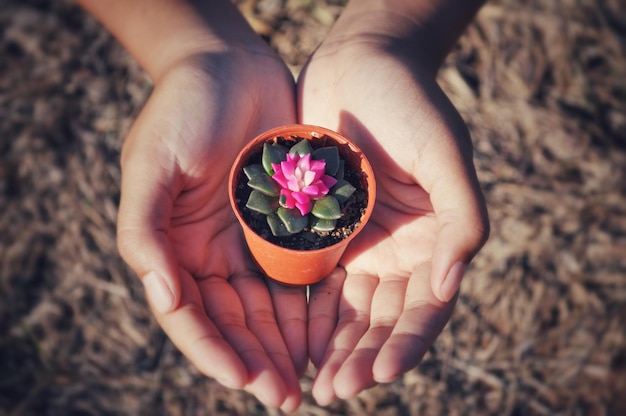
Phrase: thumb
pixel 143 220
pixel 463 223
pixel 456 244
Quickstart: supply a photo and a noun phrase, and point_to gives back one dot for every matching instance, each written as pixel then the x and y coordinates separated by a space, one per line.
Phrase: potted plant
pixel 301 193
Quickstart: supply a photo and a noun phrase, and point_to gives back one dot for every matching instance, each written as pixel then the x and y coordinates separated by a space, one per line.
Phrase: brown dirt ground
pixel 540 328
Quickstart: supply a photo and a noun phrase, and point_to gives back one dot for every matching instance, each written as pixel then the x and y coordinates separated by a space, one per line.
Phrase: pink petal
pixel 292 184
pixel 309 177
pixel 288 167
pixel 322 189
pixel 299 173
pixel 329 181
pixel 280 178
pixel 305 162
pixel 313 191
pixel 318 166
pixel 304 208
pixel 300 197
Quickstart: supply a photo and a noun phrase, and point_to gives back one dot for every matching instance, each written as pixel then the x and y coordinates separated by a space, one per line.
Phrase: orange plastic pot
pixel 300 267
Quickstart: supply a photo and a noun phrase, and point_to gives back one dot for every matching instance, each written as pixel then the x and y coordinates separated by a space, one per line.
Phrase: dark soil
pixel 540 324
pixel 309 239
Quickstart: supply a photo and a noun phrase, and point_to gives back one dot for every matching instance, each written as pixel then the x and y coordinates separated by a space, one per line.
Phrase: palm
pixel 400 235
pixel 403 227
pixel 386 313
pixel 202 123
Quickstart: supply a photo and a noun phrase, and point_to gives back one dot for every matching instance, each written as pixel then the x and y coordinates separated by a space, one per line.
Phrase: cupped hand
pixel 375 320
pixel 177 231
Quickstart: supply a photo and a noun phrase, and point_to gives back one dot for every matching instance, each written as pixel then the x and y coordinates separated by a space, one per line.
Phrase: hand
pixel 177 231
pixel 375 320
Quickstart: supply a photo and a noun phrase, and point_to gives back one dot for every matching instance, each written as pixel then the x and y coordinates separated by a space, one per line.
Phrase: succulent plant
pixel 298 187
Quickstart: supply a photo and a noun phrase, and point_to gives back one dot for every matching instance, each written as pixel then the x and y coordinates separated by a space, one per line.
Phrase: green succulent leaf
pixel 272 153
pixel 277 227
pixel 253 170
pixel 342 190
pixel 327 208
pixel 293 220
pixel 331 155
pixel 301 148
pixel 260 202
pixel 320 224
pixel 264 183
pixel 340 172
pixel 282 200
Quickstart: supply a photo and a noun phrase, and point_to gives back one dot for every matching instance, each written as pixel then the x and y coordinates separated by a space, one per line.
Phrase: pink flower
pixel 302 181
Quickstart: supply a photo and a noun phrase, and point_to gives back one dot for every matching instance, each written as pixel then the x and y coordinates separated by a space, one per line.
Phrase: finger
pixel 450 179
pixel 143 221
pixel 463 230
pixel 354 316
pixel 422 319
pixel 291 314
pixel 261 321
pixel 198 338
pixel 356 373
pixel 323 313
pixel 224 307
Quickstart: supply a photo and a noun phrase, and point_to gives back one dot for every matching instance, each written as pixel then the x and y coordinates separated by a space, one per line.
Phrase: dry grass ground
pixel 540 328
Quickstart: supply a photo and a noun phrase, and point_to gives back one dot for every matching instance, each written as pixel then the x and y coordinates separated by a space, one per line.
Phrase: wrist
pixel 424 30
pixel 161 33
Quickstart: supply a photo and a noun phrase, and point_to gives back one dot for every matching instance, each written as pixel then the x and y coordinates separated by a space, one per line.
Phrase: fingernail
pixel 452 282
pixel 159 293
